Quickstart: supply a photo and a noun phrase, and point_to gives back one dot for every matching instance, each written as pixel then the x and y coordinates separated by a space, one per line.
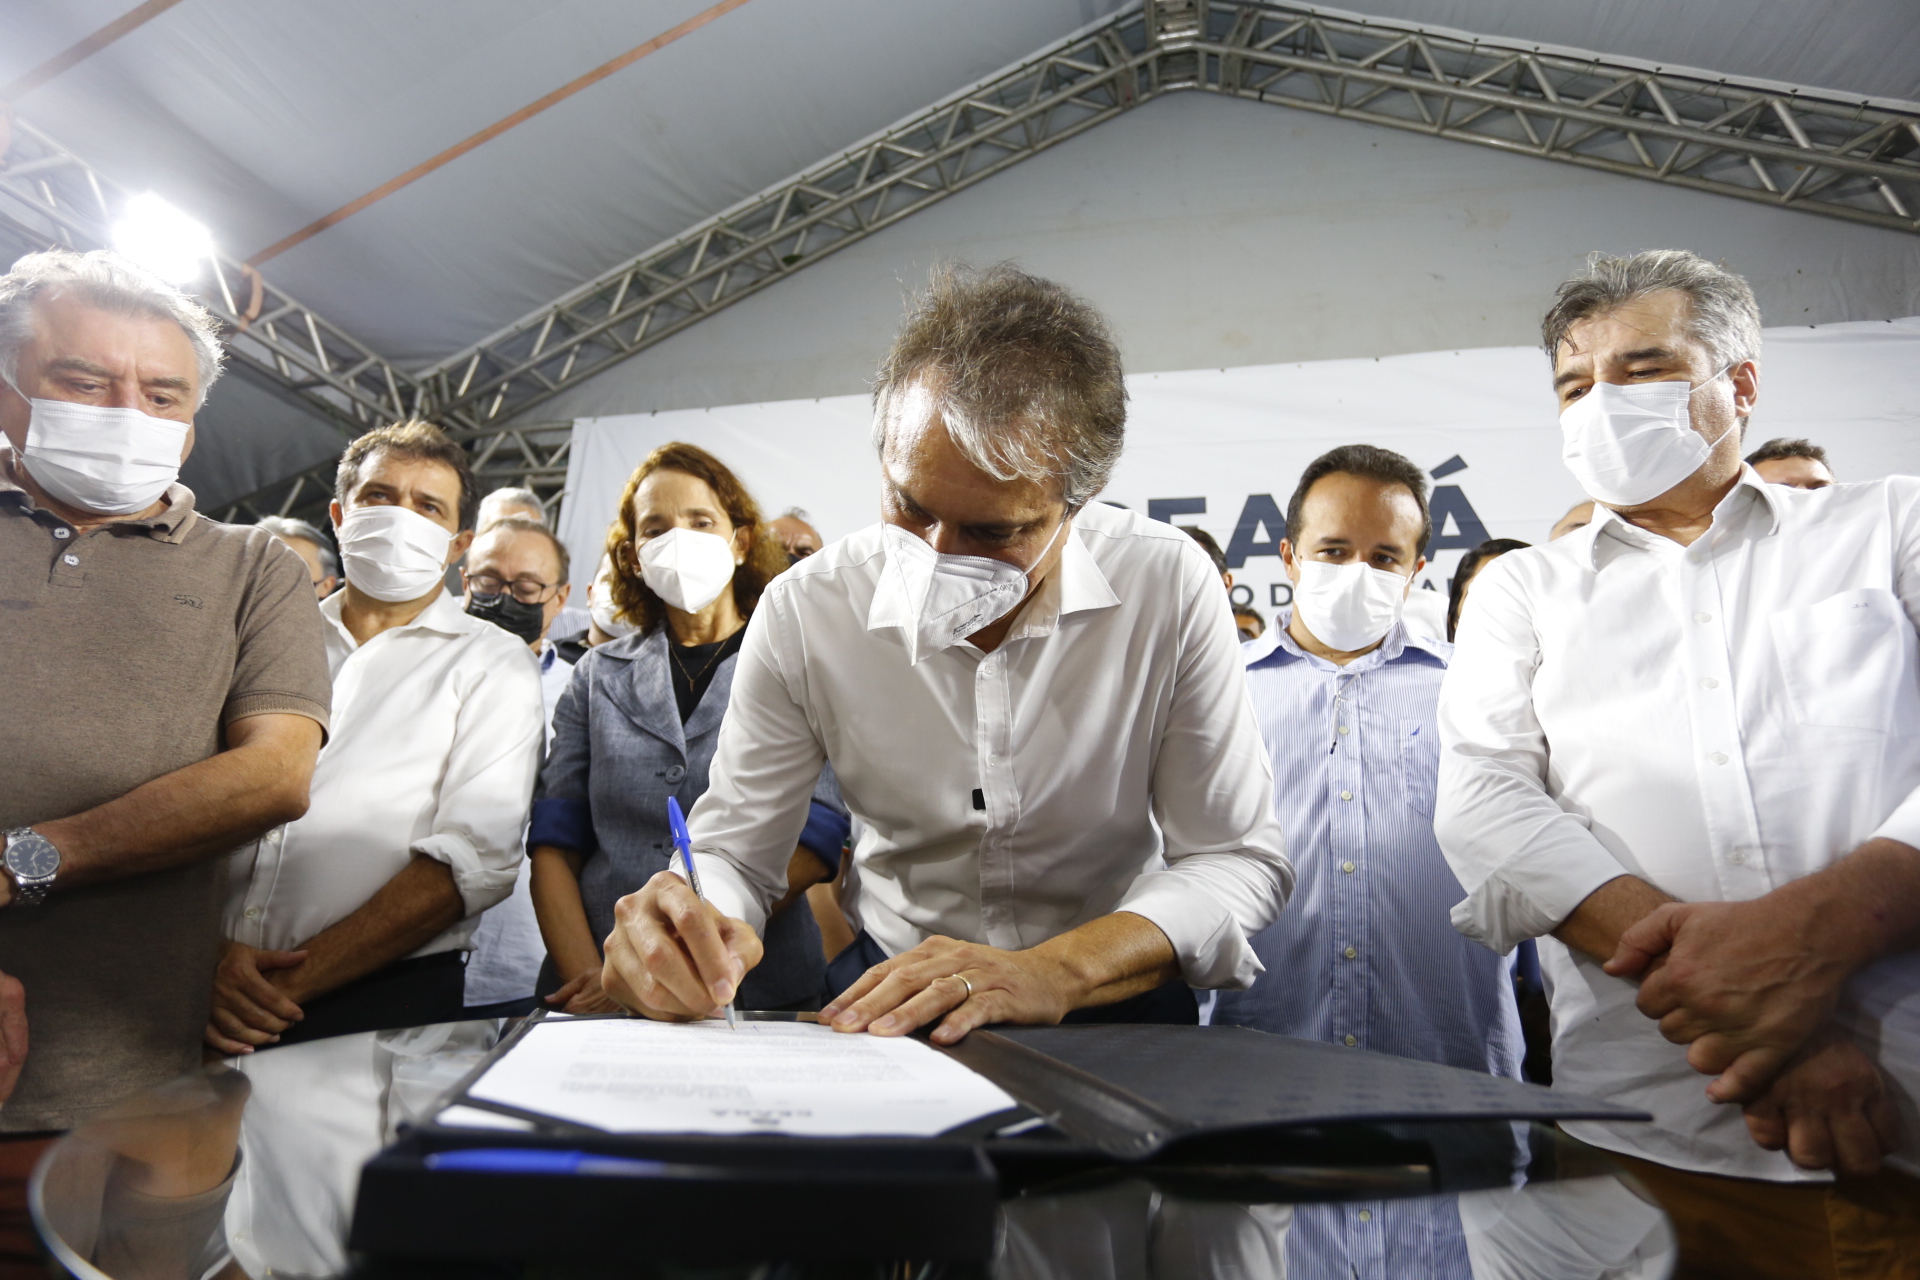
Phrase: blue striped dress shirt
pixel 1365 954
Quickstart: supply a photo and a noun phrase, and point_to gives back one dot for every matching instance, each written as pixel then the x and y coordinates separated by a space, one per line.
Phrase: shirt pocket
pixel 1848 662
pixel 1420 763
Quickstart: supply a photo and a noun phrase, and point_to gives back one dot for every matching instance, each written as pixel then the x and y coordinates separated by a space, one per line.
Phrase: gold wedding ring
pixel 964 983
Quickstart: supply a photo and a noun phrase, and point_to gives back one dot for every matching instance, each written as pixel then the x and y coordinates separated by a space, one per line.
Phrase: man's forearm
pixel 1113 958
pixel 201 811
pixel 409 911
pixel 1596 924
pixel 1863 907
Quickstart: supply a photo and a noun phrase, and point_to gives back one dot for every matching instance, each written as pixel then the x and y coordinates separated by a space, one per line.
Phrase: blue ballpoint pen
pixel 677 824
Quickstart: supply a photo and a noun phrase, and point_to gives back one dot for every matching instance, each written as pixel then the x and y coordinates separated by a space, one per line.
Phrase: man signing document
pixel 1034 703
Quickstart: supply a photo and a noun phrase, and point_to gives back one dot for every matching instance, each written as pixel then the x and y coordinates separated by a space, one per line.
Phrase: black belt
pixel 406 993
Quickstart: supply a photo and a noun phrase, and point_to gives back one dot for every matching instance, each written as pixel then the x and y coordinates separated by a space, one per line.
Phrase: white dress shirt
pixel 1716 719
pixel 1109 739
pixel 436 738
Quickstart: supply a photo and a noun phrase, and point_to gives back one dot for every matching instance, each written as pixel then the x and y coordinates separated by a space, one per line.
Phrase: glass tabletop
pixel 155 1190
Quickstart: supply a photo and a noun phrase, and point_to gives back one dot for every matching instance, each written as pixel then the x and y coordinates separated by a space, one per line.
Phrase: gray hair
pixel 499 498
pixel 1723 317
pixel 286 528
pixel 1026 378
pixel 112 283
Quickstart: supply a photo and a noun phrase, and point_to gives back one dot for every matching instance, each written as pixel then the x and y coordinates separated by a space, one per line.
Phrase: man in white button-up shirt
pixel 1685 742
pixel 349 927
pixel 1033 702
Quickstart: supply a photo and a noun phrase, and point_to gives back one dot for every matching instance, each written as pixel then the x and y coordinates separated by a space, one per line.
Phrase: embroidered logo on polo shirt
pixel 190 601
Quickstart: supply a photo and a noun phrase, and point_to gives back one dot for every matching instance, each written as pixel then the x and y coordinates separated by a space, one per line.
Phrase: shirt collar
pixel 1749 494
pixel 1076 586
pixel 447 614
pixel 170 526
pixel 1277 644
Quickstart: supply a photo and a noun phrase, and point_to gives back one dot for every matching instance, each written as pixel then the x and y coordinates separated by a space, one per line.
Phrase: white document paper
pixel 632 1075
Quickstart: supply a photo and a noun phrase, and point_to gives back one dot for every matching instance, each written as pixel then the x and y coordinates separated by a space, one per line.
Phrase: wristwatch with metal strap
pixel 33 862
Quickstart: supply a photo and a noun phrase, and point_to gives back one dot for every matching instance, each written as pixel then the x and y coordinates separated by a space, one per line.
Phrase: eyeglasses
pixel 525 590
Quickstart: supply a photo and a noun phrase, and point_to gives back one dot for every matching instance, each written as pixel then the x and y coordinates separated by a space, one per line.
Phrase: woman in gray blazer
pixel 640 721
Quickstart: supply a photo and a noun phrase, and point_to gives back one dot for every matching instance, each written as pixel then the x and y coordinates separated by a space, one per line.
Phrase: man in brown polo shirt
pixel 165 687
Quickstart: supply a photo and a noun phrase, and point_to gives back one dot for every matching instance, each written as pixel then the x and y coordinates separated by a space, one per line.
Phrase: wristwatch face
pixel 32 857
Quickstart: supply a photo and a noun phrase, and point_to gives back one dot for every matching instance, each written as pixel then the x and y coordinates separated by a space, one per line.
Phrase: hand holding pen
pixel 683 841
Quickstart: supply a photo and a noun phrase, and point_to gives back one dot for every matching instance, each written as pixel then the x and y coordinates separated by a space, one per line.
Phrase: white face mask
pixel 1347 606
pixel 392 553
pixel 1629 444
pixel 953 596
pixel 687 568
pixel 600 603
pixel 110 461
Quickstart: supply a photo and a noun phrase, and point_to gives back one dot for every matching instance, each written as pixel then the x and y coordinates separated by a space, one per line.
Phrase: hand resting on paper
pixel 674 957
pixel 967 985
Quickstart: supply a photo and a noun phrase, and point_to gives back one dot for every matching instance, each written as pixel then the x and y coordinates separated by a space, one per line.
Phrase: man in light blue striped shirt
pixel 1365 954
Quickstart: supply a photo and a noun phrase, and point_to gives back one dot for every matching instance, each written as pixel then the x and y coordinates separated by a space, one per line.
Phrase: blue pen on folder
pixel 677 824
pixel 540 1160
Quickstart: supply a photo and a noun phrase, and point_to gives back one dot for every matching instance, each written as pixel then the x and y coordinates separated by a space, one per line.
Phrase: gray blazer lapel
pixel 642 687
pixel 713 703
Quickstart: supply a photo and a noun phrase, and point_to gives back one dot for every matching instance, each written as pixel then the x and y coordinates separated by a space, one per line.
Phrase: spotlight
pixel 162 239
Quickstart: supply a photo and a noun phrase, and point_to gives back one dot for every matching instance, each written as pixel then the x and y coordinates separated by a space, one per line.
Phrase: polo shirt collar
pixel 1749 494
pixel 170 526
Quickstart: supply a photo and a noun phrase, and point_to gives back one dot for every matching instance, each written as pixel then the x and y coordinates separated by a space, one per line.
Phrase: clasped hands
pixel 675 957
pixel 253 998
pixel 1750 987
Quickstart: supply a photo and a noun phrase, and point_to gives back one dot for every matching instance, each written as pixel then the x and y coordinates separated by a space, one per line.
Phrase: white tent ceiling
pixel 259 116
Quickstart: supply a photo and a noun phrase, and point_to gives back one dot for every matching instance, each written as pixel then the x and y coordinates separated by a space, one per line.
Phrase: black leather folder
pixel 1091 1097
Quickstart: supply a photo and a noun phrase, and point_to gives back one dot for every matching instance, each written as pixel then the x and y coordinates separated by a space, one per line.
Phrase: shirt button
pixel 1346 795
pixel 1351 952
pixel 71 558
pixel 1343 728
pixel 63 533
pixel 1347 867
pixel 1718 757
pixel 1709 683
pixel 1703 617
pixel 253 913
pixel 1351 1042
pixel 1737 858
pixel 1366 1215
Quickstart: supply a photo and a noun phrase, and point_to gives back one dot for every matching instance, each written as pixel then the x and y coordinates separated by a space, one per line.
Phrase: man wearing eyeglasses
pixel 516 578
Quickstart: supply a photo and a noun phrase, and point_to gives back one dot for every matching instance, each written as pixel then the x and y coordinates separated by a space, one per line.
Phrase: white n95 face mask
pixel 1629 444
pixel 392 553
pixel 111 461
pixel 952 596
pixel 687 568
pixel 1348 606
pixel 600 603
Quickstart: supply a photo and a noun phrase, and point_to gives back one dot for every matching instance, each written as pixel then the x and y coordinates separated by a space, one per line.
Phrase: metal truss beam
pixel 1817 152
pixel 1061 91
pixel 529 455
pixel 49 196
pixel 1814 151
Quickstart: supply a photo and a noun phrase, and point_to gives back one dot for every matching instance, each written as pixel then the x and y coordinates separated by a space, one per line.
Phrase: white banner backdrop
pixel 1221 449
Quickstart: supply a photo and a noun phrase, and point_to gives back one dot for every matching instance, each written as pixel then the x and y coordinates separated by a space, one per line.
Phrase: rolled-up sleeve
pixel 1227 874
pixel 1524 861
pixel 484 794
pixel 761 784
